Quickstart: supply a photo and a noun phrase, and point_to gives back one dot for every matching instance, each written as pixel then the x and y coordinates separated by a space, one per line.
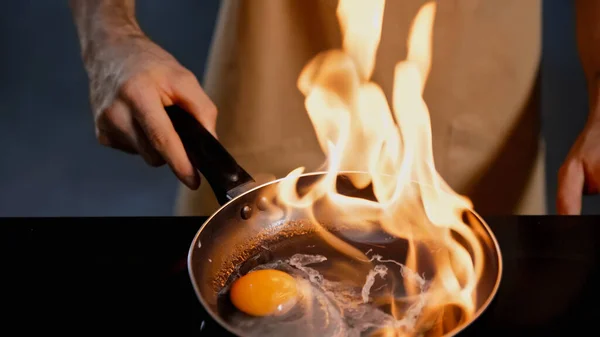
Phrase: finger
pixel 145 149
pixel 158 129
pixel 112 128
pixel 108 139
pixel 189 95
pixel 120 131
pixel 570 187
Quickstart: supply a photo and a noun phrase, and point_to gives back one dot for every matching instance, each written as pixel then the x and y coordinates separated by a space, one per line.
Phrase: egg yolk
pixel 264 292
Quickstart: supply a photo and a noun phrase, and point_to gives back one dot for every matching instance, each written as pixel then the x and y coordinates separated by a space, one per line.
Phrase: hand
pixel 131 81
pixel 580 173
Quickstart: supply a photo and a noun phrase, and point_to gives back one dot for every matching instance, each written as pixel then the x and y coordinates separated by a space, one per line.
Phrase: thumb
pixel 570 187
pixel 190 96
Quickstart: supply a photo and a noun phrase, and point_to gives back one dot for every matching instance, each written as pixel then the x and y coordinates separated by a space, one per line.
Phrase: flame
pixel 358 131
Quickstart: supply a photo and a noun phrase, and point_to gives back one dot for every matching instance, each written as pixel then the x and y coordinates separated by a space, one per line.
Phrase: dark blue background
pixel 52 165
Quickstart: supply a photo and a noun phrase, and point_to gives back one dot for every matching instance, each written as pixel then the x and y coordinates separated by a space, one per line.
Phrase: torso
pixel 485 59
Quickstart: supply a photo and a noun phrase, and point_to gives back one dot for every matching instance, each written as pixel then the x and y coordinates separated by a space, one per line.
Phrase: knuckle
pixel 133 86
pixel 109 120
pixel 106 116
pixel 186 77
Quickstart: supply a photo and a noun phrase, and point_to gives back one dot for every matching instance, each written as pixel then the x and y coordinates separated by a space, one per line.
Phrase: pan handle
pixel 208 155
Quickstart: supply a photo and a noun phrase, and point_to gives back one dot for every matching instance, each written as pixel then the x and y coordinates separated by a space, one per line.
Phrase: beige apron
pixel 485 119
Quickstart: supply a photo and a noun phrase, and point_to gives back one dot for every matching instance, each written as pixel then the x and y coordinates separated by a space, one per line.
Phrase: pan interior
pixel 229 246
pixel 322 317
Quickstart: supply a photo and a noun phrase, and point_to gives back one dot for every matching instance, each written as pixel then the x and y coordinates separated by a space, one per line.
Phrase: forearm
pixel 102 22
pixel 588 42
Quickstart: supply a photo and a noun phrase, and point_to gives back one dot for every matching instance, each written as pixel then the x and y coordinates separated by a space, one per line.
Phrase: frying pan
pixel 250 228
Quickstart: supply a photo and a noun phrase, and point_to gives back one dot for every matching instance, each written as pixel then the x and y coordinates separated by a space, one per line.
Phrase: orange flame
pixel 358 131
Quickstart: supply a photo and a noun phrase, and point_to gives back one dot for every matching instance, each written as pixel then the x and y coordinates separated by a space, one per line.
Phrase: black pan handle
pixel 208 155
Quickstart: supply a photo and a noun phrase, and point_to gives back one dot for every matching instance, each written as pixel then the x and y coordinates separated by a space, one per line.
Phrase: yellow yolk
pixel 264 292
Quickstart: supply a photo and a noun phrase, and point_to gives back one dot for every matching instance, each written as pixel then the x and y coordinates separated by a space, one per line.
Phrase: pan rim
pixel 240 333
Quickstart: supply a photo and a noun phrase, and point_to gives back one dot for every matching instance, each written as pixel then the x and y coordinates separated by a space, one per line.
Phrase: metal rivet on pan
pixel 262 203
pixel 246 212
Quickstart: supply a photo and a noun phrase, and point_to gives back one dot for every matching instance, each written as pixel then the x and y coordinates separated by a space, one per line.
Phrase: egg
pixel 264 292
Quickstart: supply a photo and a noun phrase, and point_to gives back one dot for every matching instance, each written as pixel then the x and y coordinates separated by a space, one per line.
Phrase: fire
pixel 358 131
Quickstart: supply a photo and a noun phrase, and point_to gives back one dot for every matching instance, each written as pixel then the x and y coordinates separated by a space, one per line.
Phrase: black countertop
pixel 128 275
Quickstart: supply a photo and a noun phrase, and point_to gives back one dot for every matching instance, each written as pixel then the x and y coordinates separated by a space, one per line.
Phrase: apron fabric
pixel 481 93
